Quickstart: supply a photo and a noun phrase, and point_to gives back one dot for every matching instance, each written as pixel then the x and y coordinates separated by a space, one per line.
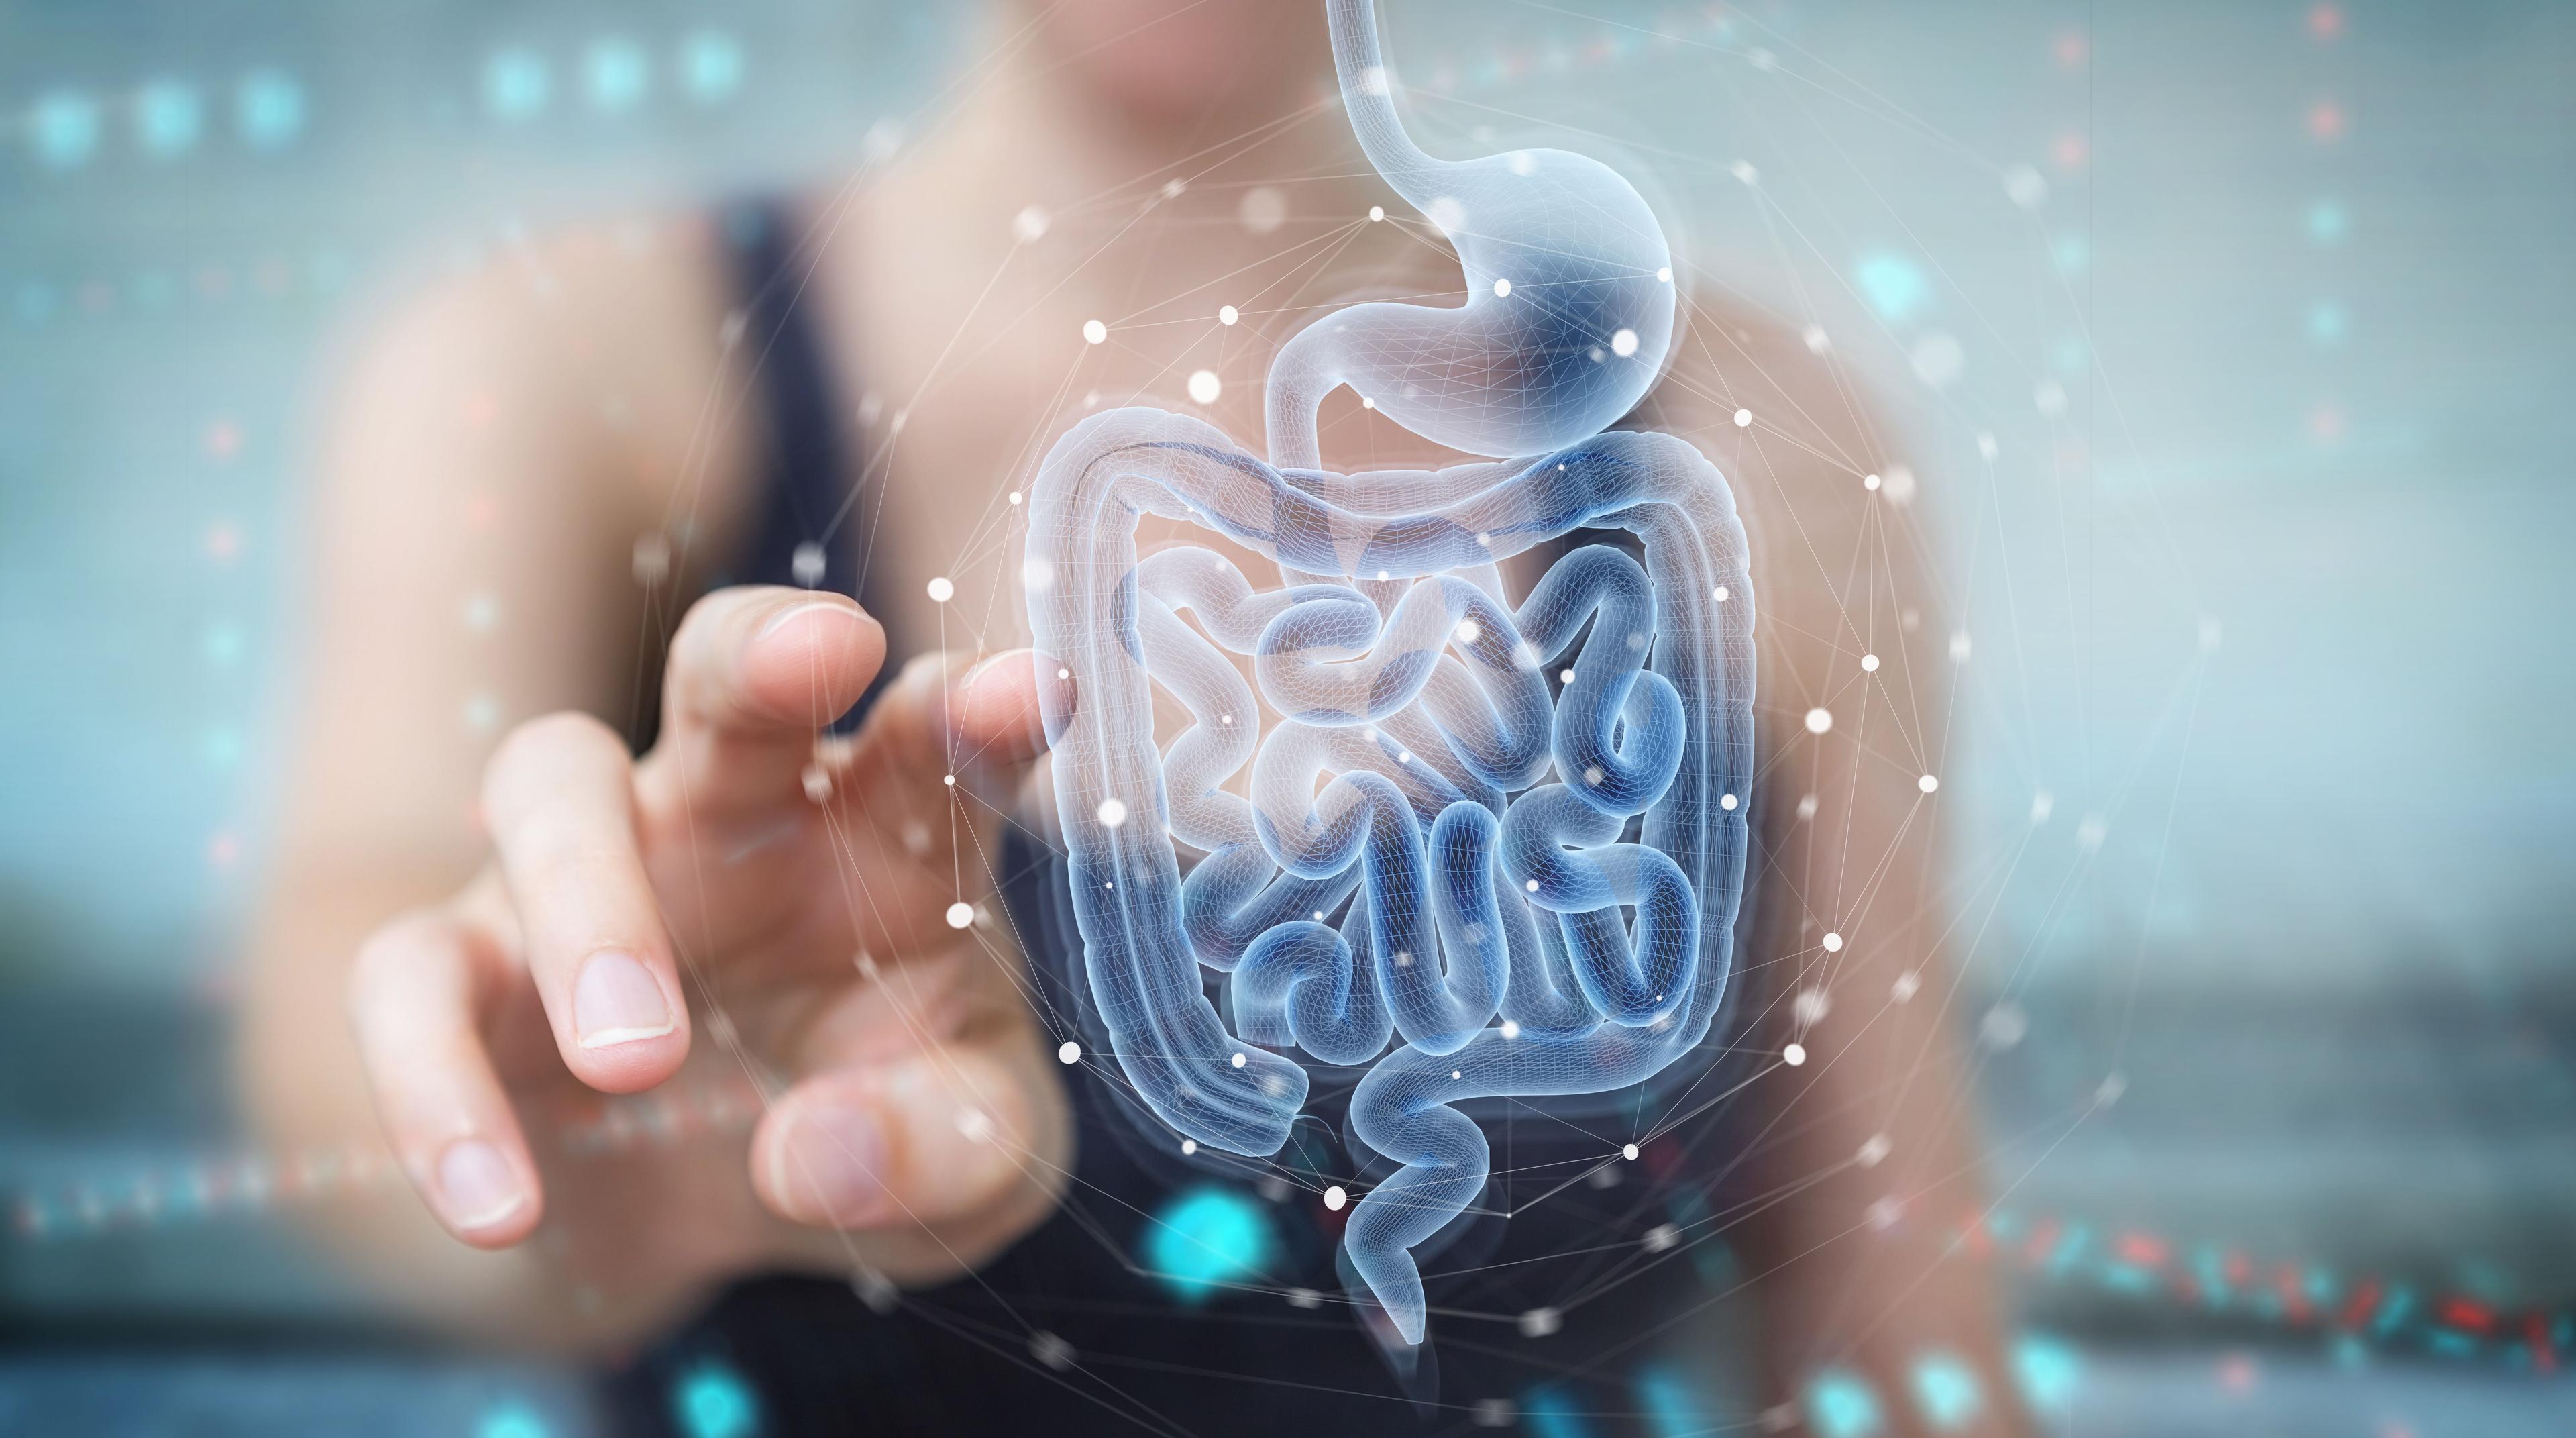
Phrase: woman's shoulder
pixel 1794 431
pixel 607 346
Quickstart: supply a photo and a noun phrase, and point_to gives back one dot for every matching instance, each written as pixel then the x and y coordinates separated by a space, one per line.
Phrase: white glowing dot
pixel 1628 1151
pixel 1819 720
pixel 1367 403
pixel 1457 1073
pixel 1592 774
pixel 1063 673
pixel 1869 482
pixel 948 779
pixel 1238 1060
pixel 1743 170
pixel 1228 314
pixel 1871 1151
pixel 1794 1055
pixel 1624 343
pixel 1928 783
pixel 941 591
pixel 1664 275
pixel 1262 209
pixel 1335 1197
pixel 1718 594
pixel 1068 1052
pixel 1469 631
pixel 1726 802
pixel 1094 331
pixel 1810 1007
pixel 1532 886
pixel 1511 1028
pixel 1189 1146
pixel 1382 576
pixel 1376 213
pixel 1869 664
pixel 1029 225
pixel 1502 289
pixel 1205 386
pixel 1907 985
pixel 1225 718
pixel 1833 943
pixel 1565 676
pixel 1015 496
pixel 1113 812
pixel 1743 418
pixel 960 914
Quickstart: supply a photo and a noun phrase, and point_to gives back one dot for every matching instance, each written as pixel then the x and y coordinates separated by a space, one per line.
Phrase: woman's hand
pixel 799 887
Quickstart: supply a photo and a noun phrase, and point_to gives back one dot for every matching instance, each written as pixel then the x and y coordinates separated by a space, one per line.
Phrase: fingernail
pixel 616 1001
pixel 815 606
pixel 476 1186
pixel 831 1165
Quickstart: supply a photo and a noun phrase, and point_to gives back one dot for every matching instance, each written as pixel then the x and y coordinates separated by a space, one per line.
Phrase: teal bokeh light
pixel 712 1401
pixel 2047 1369
pixel 711 66
pixel 1206 1238
pixel 65 128
pixel 512 1420
pixel 516 85
pixel 168 117
pixel 617 75
pixel 1894 286
pixel 268 109
pixel 1840 1405
pixel 2326 223
pixel 1946 1392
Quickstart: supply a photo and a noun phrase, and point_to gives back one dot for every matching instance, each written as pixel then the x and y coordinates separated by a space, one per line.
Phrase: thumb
pixel 947 1134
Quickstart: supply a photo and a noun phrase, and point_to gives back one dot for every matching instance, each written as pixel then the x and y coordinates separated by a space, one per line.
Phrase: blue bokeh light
pixel 1206 1238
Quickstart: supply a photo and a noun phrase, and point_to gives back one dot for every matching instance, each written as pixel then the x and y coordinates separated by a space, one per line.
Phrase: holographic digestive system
pixel 1523 864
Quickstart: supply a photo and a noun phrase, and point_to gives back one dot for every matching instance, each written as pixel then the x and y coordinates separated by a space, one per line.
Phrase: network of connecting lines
pixel 1491 849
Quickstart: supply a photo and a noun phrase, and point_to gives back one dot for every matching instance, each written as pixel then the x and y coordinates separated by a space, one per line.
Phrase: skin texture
pixel 508 435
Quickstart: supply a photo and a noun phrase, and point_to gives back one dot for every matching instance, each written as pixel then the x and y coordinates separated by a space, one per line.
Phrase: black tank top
pixel 1067 1332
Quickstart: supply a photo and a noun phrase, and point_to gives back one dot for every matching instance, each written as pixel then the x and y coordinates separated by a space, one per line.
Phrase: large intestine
pixel 1507 839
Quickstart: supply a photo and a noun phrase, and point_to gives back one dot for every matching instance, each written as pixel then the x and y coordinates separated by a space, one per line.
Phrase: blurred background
pixel 2227 343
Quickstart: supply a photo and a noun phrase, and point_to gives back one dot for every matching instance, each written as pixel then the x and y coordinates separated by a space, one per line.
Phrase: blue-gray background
pixel 2262 583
